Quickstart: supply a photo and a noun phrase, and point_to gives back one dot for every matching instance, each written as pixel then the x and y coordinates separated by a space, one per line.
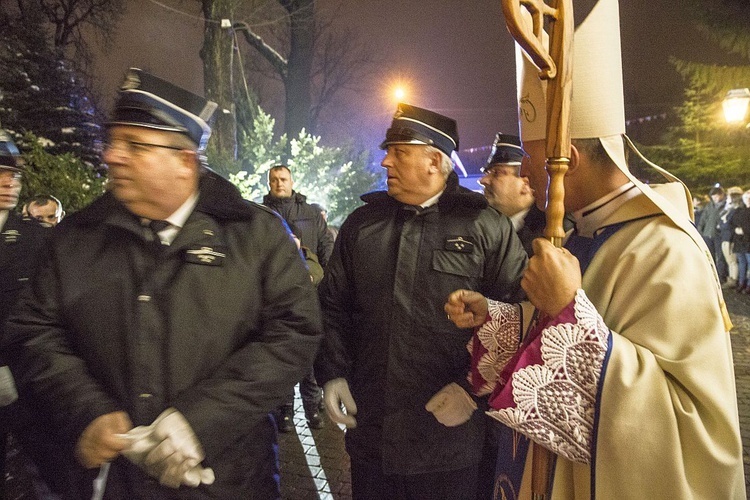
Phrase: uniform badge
pixel 462 244
pixel 10 236
pixel 205 255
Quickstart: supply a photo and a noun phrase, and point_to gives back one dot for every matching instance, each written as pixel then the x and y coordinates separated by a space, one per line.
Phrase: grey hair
pixel 446 164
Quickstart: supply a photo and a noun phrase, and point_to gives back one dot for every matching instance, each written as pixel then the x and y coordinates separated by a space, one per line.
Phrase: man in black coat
pixel 305 220
pixel 20 239
pixel 389 354
pixel 170 304
pixel 306 223
pixel 708 226
pixel 510 194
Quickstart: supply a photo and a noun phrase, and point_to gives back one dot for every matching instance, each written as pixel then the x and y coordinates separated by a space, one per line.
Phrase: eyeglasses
pixel 10 176
pixel 502 171
pixel 135 147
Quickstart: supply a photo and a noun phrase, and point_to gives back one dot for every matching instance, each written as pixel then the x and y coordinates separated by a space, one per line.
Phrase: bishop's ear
pixel 575 158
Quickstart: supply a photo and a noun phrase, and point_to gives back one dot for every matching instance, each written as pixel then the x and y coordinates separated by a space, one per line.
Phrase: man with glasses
pixel 510 193
pixel 170 304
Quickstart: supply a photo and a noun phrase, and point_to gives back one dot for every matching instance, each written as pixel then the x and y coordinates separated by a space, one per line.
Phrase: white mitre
pixel 597 107
pixel 598 110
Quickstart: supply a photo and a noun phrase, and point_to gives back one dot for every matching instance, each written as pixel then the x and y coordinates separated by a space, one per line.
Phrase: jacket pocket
pixel 460 264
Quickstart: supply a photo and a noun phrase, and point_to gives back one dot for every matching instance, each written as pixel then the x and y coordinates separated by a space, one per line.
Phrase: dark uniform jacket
pixel 533 227
pixel 708 225
pixel 220 325
pixel 20 242
pixel 306 223
pixel 385 329
pixel 741 218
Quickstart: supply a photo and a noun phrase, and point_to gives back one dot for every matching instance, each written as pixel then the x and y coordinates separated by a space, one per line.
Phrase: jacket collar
pixel 295 198
pixel 218 198
pixel 454 196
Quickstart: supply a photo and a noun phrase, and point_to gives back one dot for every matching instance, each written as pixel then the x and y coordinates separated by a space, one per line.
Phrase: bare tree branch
pixel 343 60
pixel 278 61
pixel 71 17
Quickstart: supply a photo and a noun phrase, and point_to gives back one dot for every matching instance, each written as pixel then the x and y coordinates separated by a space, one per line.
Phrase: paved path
pixel 313 463
pixel 739 310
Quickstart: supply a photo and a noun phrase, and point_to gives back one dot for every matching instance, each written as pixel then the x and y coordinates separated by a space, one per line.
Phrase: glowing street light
pixel 399 93
pixel 735 105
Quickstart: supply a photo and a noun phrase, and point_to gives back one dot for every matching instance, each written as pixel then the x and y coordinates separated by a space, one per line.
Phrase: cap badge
pixel 132 81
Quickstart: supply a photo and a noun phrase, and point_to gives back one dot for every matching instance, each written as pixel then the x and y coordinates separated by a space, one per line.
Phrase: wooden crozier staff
pixel 556 66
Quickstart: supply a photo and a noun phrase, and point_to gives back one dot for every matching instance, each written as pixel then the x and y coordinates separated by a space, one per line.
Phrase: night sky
pixel 455 55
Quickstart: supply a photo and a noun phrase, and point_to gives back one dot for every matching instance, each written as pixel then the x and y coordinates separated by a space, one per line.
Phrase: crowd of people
pixel 723 218
pixel 153 339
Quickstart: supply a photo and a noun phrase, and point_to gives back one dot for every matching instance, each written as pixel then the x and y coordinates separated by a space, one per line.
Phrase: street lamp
pixel 399 93
pixel 735 105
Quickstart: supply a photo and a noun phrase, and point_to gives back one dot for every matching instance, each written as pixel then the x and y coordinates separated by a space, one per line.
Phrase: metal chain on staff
pixel 556 66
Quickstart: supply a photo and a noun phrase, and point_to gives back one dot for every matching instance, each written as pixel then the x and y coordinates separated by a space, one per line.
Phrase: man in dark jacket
pixel 708 226
pixel 303 218
pixel 191 328
pixel 306 223
pixel 509 193
pixel 389 353
pixel 21 242
pixel 309 225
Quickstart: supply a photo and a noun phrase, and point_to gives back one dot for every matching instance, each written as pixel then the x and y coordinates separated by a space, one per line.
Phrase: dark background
pixel 455 57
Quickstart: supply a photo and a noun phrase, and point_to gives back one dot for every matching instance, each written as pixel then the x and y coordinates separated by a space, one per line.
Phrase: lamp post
pixel 735 105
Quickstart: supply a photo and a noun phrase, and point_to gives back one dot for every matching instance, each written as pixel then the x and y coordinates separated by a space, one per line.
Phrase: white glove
pixel 738 230
pixel 336 393
pixel 169 450
pixel 8 392
pixel 451 406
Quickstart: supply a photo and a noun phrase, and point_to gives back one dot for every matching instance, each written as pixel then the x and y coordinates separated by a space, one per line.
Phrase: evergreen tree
pixel 42 94
pixel 703 149
pixel 64 176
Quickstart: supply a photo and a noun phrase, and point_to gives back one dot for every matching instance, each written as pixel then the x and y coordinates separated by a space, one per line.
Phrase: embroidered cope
pixel 493 344
pixel 547 389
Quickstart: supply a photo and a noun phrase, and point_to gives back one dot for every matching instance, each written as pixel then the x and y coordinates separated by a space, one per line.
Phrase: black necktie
pixel 156 226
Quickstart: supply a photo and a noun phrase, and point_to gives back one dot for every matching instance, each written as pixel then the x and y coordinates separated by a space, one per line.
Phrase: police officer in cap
pixel 390 356
pixel 510 193
pixel 170 318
